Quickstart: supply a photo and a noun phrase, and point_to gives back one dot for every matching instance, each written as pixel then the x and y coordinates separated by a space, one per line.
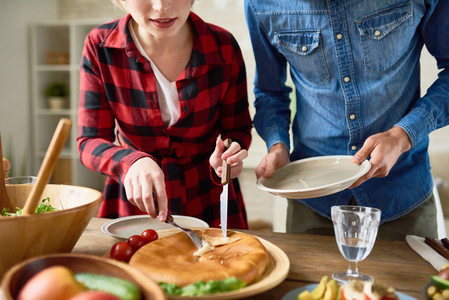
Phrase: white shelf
pixel 56 48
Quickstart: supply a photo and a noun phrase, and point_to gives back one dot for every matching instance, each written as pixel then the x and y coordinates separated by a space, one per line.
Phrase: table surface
pixel 311 257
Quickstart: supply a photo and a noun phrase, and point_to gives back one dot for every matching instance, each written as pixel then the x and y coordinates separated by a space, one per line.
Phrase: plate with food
pixel 134 225
pixel 232 267
pixel 330 290
pixel 314 177
pixel 438 287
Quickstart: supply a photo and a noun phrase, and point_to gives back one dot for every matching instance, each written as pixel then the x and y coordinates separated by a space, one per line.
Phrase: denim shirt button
pixel 353 148
pixel 304 48
pixel 346 79
pixel 352 116
pixel 377 33
pixel 339 36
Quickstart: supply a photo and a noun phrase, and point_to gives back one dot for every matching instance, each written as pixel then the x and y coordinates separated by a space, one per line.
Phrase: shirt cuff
pixel 418 124
pixel 277 135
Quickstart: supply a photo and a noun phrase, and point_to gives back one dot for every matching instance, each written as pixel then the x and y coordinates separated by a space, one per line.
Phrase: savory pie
pixel 171 259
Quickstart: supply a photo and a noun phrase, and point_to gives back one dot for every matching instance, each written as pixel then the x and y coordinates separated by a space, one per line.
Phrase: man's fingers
pixel 364 152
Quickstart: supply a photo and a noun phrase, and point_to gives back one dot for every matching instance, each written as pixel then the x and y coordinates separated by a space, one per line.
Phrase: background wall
pixel 14 75
pixel 15 16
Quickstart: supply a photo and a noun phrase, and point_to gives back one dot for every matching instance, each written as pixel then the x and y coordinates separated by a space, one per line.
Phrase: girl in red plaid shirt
pixel 160 90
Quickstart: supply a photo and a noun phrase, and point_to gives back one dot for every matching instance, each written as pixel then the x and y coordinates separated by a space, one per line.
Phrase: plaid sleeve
pixel 235 119
pixel 96 122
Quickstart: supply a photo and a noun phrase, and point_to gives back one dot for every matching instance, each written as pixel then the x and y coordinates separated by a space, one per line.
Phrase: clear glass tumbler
pixel 355 232
pixel 21 180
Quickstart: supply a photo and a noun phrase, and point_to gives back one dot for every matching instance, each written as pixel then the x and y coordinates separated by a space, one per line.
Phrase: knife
pixel 225 178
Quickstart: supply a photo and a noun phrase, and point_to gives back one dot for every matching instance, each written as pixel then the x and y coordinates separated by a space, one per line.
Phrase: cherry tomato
pixel 149 235
pixel 122 251
pixel 136 241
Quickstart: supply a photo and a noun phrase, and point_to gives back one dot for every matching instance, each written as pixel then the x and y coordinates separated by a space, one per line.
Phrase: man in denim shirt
pixel 355 67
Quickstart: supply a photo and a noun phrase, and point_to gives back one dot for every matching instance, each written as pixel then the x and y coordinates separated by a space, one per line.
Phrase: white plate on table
pixel 127 226
pixel 314 177
pixel 293 294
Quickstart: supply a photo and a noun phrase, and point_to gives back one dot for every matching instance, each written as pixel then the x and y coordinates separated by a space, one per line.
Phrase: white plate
pixel 127 226
pixel 314 177
pixel 293 294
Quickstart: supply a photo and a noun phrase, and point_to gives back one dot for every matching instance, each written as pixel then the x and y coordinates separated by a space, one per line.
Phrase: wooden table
pixel 311 257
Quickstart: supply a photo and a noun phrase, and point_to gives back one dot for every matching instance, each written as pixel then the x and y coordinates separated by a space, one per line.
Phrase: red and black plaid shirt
pixel 119 102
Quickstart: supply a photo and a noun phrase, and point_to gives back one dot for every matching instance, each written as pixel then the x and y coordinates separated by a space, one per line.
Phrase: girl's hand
pixel 234 156
pixel 144 182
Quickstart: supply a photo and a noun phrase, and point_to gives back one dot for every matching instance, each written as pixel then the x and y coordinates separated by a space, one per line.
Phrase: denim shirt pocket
pixel 385 36
pixel 304 53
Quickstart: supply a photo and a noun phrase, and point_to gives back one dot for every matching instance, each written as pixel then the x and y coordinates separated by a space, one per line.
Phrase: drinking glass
pixel 355 231
pixel 21 180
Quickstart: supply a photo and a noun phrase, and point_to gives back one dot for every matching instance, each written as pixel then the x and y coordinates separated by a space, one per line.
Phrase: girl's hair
pixel 121 4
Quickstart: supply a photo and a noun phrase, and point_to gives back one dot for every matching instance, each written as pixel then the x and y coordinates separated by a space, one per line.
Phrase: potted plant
pixel 56 94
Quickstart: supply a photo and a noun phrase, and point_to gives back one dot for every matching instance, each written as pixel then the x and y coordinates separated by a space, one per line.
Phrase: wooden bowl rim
pixel 137 275
pixel 64 211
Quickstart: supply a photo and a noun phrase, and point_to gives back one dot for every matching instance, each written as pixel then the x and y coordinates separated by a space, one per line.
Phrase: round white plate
pixel 314 177
pixel 293 294
pixel 127 226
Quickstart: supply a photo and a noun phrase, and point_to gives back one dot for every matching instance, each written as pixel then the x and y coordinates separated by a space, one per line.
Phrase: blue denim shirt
pixel 355 67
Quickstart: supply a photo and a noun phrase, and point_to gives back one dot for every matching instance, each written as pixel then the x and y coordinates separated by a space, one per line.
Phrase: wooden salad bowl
pixel 24 237
pixel 18 275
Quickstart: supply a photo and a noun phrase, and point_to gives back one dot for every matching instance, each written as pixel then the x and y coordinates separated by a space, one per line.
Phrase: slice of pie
pixel 171 259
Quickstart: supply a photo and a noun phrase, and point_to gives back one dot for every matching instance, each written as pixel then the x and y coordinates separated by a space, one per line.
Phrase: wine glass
pixel 355 231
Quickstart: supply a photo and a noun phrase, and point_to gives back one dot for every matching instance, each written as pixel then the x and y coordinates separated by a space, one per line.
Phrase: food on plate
pixel 43 207
pixel 123 251
pixel 61 283
pixel 444 272
pixel 328 289
pixel 113 285
pixel 440 285
pixel 170 259
pixel 202 288
pixel 136 241
pixel 57 282
pixel 149 235
pixel 359 290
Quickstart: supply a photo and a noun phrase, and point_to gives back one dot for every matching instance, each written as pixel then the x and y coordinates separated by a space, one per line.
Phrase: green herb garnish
pixel 202 288
pixel 41 208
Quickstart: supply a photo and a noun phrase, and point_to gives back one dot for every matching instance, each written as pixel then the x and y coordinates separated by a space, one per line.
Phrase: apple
pixel 95 295
pixel 444 273
pixel 52 283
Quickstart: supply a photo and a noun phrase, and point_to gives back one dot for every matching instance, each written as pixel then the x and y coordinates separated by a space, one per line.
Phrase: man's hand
pixel 384 149
pixel 144 179
pixel 277 157
pixel 234 156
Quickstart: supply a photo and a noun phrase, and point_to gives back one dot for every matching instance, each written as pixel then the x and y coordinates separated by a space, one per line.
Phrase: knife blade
pixel 225 178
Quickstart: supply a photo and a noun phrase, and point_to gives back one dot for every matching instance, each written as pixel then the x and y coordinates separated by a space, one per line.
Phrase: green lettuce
pixel 201 288
pixel 41 208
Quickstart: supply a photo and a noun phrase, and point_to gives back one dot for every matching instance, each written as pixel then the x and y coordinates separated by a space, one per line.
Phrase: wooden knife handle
pixel 437 247
pixel 445 243
pixel 226 176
